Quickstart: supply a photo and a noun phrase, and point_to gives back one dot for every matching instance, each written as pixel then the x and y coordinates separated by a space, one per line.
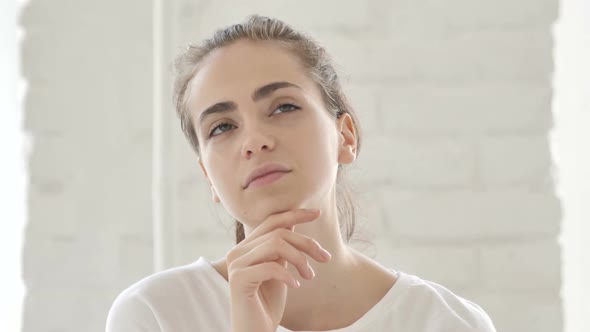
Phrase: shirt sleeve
pixel 460 320
pixel 480 321
pixel 130 313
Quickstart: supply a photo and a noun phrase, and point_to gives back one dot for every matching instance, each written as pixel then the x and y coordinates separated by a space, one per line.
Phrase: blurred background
pixel 474 171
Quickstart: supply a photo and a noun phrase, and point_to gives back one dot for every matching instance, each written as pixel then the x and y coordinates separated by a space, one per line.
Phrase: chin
pixel 252 213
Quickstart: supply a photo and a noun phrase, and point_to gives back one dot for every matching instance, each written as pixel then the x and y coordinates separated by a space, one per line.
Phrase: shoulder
pixel 443 309
pixel 146 305
pixel 131 312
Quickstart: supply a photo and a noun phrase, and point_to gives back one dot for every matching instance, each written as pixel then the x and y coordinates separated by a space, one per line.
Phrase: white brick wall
pixel 453 178
pixel 88 66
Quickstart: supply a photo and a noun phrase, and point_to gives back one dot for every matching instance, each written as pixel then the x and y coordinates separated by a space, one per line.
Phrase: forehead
pixel 234 71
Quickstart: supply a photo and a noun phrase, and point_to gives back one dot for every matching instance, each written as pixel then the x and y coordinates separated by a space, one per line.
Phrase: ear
pixel 213 193
pixel 347 142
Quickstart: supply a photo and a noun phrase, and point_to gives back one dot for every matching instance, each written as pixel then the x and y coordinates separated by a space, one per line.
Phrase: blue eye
pixel 221 125
pixel 287 108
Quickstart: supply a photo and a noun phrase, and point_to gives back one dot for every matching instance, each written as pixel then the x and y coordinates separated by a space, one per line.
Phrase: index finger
pixel 287 219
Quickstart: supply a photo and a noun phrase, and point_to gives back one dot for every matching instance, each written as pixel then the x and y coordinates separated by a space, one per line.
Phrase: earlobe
pixel 346 155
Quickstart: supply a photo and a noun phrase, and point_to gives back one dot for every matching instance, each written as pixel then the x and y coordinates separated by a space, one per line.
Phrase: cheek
pixel 221 173
pixel 321 136
pixel 318 150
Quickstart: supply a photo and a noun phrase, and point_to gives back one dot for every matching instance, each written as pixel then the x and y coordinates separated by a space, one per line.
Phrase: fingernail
pixel 325 254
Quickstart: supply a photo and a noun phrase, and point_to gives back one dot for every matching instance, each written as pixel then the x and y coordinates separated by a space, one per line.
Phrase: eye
pixel 287 108
pixel 220 126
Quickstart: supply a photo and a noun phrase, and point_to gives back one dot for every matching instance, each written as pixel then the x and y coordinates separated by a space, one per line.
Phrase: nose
pixel 257 140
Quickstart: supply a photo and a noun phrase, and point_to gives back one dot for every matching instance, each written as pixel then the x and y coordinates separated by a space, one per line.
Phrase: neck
pixel 323 303
pixel 333 280
pixel 326 231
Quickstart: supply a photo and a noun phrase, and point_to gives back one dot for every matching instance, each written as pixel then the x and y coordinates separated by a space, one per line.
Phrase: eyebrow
pixel 260 93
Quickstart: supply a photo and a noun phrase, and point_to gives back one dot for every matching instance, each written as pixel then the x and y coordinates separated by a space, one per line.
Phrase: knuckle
pixel 283 232
pixel 231 256
pixel 303 263
pixel 279 233
pixel 278 243
pixel 235 274
pixel 272 267
pixel 311 243
pixel 231 267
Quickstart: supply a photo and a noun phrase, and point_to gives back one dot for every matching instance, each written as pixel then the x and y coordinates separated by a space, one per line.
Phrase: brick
pixel 66 309
pixel 507 160
pixel 135 257
pixel 212 246
pixel 439 18
pixel 57 160
pixel 471 215
pixel 58 261
pixel 532 311
pixel 465 109
pixel 495 55
pixel 56 190
pixel 201 218
pixel 55 207
pixel 54 69
pixel 354 15
pixel 364 100
pixel 78 213
pixel 522 266
pixel 86 17
pixel 185 163
pixel 515 55
pixel 347 51
pixel 415 162
pixel 473 15
pixel 302 15
pixel 369 213
pixel 53 160
pixel 194 209
pixel 461 267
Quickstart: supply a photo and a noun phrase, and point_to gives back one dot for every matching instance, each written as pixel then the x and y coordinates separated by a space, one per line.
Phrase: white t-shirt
pixel 195 298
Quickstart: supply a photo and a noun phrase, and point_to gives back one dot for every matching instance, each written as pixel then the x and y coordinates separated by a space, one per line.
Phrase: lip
pixel 263 170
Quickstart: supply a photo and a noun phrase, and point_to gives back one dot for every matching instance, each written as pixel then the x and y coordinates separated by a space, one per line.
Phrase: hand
pixel 258 274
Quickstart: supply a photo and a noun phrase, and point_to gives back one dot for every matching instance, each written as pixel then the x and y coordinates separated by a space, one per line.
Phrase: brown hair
pixel 314 59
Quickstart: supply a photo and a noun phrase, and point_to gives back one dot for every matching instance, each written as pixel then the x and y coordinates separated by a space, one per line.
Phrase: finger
pixel 272 251
pixel 251 277
pixel 300 242
pixel 284 220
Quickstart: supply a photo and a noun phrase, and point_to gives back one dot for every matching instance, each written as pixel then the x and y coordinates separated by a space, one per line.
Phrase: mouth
pixel 265 173
pixel 266 179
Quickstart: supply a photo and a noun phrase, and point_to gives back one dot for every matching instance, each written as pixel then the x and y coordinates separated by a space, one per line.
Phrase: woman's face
pixel 252 103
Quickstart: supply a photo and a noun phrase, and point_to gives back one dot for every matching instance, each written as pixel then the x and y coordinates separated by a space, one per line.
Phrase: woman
pixel 263 109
